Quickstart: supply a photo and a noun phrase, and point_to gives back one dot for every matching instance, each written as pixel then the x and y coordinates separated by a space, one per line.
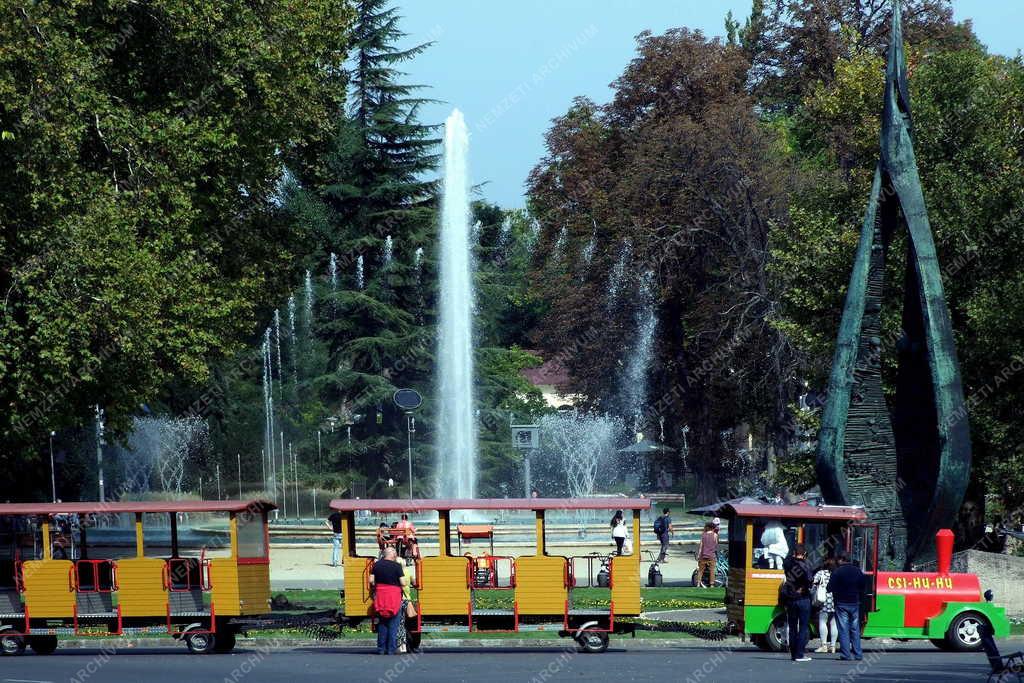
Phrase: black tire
pixel 12 645
pixel 773 638
pixel 43 645
pixel 940 643
pixel 964 633
pixel 760 642
pixel 224 642
pixel 592 641
pixel 200 643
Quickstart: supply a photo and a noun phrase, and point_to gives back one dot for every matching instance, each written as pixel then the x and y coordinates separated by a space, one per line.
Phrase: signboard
pixel 408 399
pixel 526 436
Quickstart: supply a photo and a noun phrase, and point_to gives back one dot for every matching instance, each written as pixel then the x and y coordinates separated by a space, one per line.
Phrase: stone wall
pixel 1003 574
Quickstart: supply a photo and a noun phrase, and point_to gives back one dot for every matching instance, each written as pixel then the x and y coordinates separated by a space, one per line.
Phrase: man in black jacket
pixel 846 587
pixel 796 594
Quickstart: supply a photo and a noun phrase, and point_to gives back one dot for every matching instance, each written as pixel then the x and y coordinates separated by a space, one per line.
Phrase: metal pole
pixel 295 478
pixel 319 455
pixel 284 481
pixel 239 456
pixel 263 463
pixel 53 472
pixel 219 497
pixel 201 488
pixel 314 502
pixel 410 423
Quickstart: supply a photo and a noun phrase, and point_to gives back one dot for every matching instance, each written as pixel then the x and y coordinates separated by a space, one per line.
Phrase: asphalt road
pixel 478 665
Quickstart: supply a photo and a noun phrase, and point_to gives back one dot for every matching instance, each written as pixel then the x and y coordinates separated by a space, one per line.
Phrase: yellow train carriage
pixel 55 581
pixel 484 592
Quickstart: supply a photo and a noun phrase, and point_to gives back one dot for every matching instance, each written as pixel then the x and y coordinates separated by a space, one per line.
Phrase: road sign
pixel 526 436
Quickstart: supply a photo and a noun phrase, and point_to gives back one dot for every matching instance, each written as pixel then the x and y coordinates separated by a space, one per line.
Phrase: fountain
pixel 308 286
pixel 634 381
pixel 389 248
pixel 618 273
pixel 418 264
pixel 457 430
pixel 161 447
pixel 359 272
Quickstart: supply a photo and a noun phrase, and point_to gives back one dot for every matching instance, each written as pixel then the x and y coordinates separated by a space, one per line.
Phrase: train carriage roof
pixel 115 507
pixel 427 504
pixel 810 513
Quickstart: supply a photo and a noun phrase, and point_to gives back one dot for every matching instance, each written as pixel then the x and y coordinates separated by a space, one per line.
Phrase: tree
pixel 795 44
pixel 966 105
pixel 678 178
pixel 142 146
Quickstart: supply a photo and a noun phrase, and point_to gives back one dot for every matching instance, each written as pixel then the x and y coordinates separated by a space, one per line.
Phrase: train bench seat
pixel 10 604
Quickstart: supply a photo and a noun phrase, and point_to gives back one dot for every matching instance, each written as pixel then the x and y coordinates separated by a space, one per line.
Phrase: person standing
pixel 387 579
pixel 663 530
pixel 618 531
pixel 706 555
pixel 828 632
pixel 333 522
pixel 796 594
pixel 847 586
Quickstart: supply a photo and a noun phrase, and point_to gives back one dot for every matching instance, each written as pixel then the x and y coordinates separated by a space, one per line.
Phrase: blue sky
pixel 512 66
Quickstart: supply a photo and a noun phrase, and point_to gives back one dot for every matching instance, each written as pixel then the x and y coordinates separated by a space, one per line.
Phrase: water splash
pixel 474 234
pixel 309 301
pixel 638 365
pixel 332 274
pixel 389 247
pixel 505 236
pixel 277 341
pixel 268 401
pixel 417 264
pixel 359 272
pixel 579 446
pixel 293 350
pixel 161 448
pixel 618 273
pixel 589 248
pixel 457 430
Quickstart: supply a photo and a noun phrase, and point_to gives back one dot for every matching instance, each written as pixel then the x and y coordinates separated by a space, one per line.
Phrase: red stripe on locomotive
pixel 926 592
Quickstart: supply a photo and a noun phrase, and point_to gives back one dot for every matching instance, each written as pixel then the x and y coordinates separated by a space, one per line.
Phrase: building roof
pixel 115 507
pixel 804 512
pixel 551 372
pixel 427 504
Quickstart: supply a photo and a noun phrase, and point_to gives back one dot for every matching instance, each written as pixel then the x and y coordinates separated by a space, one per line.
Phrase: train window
pixel 252 539
pixel 773 540
pixel 737 542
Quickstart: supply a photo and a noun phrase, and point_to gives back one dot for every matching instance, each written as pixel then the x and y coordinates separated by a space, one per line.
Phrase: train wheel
pixel 964 634
pixel 776 638
pixel 224 642
pixel 591 641
pixel 759 641
pixel 200 643
pixel 12 645
pixel 43 645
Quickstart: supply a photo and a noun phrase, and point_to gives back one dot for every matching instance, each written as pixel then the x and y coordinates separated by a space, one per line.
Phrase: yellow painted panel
pixel 141 591
pixel 254 588
pixel 224 586
pixel 48 589
pixel 540 584
pixel 357 593
pixel 444 588
pixel 626 584
pixel 762 586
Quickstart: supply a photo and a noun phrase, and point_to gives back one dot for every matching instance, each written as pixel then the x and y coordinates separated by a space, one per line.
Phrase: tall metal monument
pixel 908 467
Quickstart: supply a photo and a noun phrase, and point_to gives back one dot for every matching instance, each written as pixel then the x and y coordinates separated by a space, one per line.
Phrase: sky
pixel 512 66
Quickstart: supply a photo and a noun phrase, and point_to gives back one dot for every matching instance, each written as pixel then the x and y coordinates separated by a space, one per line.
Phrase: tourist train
pixel 57 580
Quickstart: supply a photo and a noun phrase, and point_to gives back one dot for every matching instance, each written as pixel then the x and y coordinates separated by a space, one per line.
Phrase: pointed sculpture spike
pixel 909 469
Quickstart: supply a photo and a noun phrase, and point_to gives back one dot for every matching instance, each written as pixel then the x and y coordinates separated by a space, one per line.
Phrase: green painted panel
pixel 937 626
pixel 757 618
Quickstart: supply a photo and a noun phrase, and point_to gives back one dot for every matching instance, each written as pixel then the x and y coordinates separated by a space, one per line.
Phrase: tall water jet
pixel 618 273
pixel 332 274
pixel 389 247
pixel 417 264
pixel 457 431
pixel 359 272
pixel 292 346
pixel 638 366
pixel 309 300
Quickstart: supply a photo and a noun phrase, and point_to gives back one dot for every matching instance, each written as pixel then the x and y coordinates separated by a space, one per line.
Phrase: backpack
pixel 820 590
pixel 659 526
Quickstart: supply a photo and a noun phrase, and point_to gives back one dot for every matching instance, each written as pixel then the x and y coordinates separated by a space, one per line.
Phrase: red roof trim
pixel 809 512
pixel 115 507
pixel 426 504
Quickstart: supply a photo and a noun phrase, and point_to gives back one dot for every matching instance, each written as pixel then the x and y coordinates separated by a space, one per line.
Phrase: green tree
pixel 141 149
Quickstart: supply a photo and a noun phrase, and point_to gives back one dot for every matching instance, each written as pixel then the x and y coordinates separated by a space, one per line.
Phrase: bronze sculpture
pixel 909 469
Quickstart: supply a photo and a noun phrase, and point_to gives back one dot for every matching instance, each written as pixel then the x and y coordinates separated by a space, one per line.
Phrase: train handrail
pixel 95 565
pixel 19 572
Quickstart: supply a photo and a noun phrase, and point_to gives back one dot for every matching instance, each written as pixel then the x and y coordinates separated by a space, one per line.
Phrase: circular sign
pixel 408 399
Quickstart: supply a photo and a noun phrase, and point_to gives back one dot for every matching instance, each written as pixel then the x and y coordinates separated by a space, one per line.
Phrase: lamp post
pixel 53 471
pixel 319 455
pixel 408 400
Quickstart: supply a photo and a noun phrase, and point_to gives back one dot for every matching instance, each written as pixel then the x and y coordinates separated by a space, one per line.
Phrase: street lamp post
pixel 408 400
pixel 319 455
pixel 53 471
